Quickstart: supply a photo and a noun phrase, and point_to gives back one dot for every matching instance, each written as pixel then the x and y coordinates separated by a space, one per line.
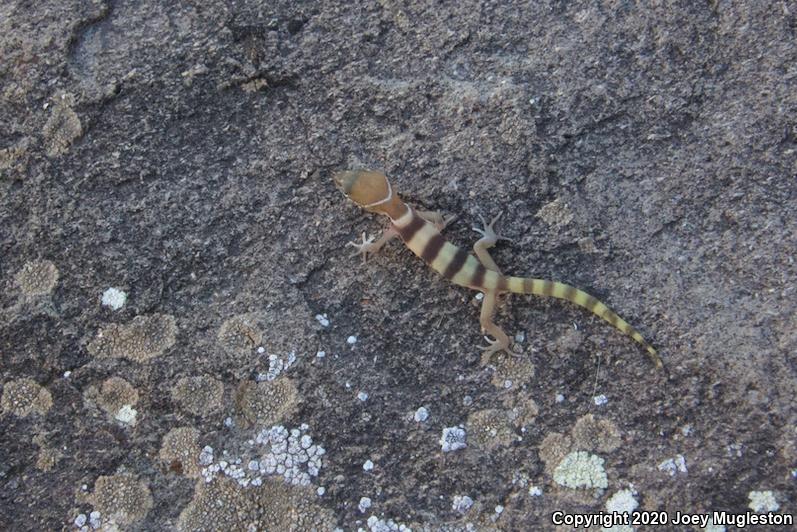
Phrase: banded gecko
pixel 420 231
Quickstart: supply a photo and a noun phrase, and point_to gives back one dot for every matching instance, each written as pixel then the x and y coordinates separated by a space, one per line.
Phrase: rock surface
pixel 182 152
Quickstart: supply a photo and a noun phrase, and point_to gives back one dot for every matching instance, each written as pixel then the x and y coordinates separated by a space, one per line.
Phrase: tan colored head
pixel 370 190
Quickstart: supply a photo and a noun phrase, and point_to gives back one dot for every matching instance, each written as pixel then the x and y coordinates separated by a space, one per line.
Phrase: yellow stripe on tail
pixel 541 287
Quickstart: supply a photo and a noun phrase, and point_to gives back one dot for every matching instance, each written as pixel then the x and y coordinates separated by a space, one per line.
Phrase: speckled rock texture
pixel 181 154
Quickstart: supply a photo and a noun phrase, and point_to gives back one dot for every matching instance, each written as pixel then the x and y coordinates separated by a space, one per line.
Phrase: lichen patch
pixel 23 397
pixel 37 278
pixel 556 213
pixel 490 429
pixel 599 435
pixel 115 393
pixel 553 449
pixel 121 499
pixel 224 505
pixel 47 457
pixel 581 469
pixel 201 395
pixel 240 334
pixel 522 410
pixel 266 403
pixel 180 450
pixel 144 338
pixel 15 157
pixel 512 372
pixel 63 126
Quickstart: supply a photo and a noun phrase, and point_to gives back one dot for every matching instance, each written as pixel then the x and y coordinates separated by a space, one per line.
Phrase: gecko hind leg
pixel 487 241
pixel 501 342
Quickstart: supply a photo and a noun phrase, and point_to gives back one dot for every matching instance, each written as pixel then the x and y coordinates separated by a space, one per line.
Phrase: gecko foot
pixel 493 347
pixel 363 248
pixel 488 233
pixel 446 221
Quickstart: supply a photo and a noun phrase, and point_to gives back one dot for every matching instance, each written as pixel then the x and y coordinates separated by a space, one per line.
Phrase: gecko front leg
pixel 370 246
pixel 436 218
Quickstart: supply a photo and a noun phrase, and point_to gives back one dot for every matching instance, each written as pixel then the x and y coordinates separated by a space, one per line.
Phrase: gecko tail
pixel 542 287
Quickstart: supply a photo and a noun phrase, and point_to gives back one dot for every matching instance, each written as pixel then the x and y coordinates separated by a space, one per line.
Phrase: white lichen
pixel 600 400
pixel 127 415
pixel 711 527
pixel 276 365
pixel 674 465
pixel 763 501
pixel 461 503
pixel 453 439
pixel 380 525
pixel 581 469
pixel 289 454
pixel 114 298
pixel 365 503
pixel 322 319
pixel 421 415
pixel 624 501
pixel 94 519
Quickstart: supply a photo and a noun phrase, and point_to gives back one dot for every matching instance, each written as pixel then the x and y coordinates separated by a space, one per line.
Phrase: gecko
pixel 421 232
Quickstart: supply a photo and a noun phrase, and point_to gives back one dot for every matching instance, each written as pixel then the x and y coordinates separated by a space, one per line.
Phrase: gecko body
pixel 420 231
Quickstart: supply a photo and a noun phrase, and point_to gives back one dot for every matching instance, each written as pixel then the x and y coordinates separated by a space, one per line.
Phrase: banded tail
pixel 541 287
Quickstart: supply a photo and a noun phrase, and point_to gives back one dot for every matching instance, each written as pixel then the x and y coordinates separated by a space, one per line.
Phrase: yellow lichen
pixel 37 278
pixel 121 499
pixel 224 505
pixel 490 429
pixel 201 395
pixel 180 450
pixel 63 126
pixel 23 397
pixel 144 338
pixel 266 403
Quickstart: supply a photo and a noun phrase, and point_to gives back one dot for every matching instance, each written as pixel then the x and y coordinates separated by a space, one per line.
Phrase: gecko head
pixel 369 189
